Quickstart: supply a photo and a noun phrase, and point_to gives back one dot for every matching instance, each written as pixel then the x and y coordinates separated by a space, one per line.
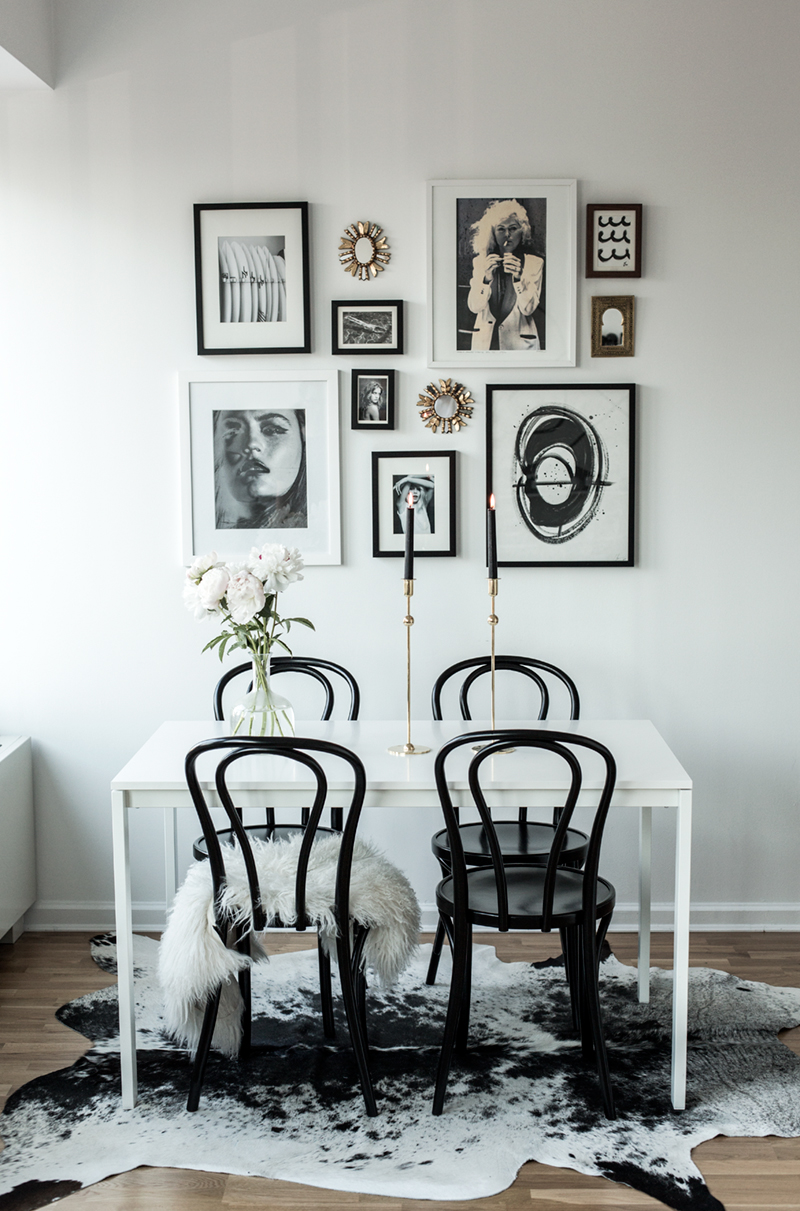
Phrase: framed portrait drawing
pixel 429 476
pixel 365 328
pixel 372 399
pixel 260 460
pixel 612 325
pixel 251 277
pixel 502 273
pixel 614 240
pixel 560 461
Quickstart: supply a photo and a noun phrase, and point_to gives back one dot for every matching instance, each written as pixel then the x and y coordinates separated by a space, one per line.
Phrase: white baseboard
pixel 97 916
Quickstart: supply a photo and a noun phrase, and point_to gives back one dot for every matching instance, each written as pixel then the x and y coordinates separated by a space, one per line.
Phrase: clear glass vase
pixel 262 711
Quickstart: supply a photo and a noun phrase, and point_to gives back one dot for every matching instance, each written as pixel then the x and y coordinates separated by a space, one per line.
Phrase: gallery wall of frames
pixel 261 449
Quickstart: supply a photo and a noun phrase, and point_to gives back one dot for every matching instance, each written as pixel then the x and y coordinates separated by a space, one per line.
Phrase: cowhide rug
pixel 294 1110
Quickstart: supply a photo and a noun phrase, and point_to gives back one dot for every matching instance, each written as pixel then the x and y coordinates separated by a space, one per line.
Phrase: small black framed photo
pixel 365 328
pixel 560 460
pixel 614 240
pixel 612 325
pixel 428 478
pixel 372 394
pixel 252 277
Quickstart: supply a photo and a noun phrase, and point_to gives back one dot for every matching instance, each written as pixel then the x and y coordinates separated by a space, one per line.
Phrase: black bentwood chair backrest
pixel 307 665
pixel 540 895
pixel 479 666
pixel 299 750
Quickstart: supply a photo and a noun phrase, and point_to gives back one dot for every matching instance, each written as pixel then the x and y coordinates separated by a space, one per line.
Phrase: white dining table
pixel 648 776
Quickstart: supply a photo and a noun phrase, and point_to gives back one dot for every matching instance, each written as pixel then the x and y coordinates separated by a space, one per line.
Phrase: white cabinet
pixel 17 840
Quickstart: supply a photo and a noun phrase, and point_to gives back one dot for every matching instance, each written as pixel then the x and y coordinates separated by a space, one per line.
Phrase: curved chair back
pixel 479 666
pixel 559 743
pixel 311 667
pixel 294 748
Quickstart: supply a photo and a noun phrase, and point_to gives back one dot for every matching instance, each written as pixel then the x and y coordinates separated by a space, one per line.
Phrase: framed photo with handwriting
pixel 614 240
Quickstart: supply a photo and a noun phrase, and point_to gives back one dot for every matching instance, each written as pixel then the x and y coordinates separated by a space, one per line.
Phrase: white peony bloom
pixel 246 597
pixel 211 588
pixel 275 565
pixel 191 597
pixel 201 565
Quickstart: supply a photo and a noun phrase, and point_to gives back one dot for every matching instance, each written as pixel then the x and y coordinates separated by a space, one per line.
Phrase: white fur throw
pixel 193 961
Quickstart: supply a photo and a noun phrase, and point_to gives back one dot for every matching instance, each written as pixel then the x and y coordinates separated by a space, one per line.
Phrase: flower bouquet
pixel 244 598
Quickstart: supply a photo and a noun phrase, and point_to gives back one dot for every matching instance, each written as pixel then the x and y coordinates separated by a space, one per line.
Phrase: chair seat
pixel 521 842
pixel 525 891
pixel 256 832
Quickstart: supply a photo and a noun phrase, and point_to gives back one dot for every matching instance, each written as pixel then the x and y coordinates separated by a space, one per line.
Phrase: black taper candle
pixel 408 568
pixel 492 539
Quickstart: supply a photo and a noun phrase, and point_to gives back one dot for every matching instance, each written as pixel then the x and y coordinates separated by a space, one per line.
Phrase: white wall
pixel 26 43
pixel 691 109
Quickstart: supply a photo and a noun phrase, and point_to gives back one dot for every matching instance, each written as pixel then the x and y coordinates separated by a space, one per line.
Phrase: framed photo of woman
pixel 426 479
pixel 502 273
pixel 260 456
pixel 372 399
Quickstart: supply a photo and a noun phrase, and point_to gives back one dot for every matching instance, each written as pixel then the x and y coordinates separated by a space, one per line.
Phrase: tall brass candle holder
pixel 408 749
pixel 493 621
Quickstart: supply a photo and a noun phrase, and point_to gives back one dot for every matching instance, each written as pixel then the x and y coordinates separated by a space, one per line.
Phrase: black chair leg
pixel 460 965
pixel 462 1036
pixel 354 1021
pixel 245 988
pixel 592 998
pixel 325 991
pixel 436 953
pixel 572 961
pixel 360 980
pixel 203 1048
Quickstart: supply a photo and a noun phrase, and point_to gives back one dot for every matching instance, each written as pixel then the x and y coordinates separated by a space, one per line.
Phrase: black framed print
pixel 502 275
pixel 614 240
pixel 365 328
pixel 428 478
pixel 252 277
pixel 372 399
pixel 560 462
pixel 260 463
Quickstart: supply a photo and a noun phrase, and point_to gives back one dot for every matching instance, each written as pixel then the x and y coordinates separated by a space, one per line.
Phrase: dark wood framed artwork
pixel 252 277
pixel 430 475
pixel 614 240
pixel 367 328
pixel 560 460
pixel 372 399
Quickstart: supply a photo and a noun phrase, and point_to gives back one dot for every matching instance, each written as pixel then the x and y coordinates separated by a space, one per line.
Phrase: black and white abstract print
pixel 294 1111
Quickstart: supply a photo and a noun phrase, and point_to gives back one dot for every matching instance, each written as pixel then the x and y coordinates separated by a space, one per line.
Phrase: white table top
pixel 643 758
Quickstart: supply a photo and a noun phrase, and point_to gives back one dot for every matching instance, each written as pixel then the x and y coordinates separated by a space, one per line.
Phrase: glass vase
pixel 262 711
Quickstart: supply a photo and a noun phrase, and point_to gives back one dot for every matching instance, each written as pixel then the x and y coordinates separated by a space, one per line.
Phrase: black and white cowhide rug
pixel 294 1111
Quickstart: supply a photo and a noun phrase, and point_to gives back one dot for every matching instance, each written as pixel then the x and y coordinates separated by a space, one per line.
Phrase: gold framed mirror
pixel 449 405
pixel 364 251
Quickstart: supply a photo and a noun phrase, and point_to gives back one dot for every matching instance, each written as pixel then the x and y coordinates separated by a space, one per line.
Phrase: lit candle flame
pixel 410 500
pixel 491 501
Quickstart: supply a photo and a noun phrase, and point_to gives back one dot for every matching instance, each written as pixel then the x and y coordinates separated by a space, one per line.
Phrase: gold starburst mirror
pixel 363 250
pixel 448 405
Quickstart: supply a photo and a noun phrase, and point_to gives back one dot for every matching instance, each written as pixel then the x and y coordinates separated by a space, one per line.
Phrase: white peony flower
pixel 246 597
pixel 203 564
pixel 211 588
pixel 275 565
pixel 191 597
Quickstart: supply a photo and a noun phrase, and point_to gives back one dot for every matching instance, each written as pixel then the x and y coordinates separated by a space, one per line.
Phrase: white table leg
pixel 170 854
pixel 122 900
pixel 680 953
pixel 645 866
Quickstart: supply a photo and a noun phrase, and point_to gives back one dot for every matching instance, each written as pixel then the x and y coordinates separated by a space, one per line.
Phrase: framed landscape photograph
pixel 372 399
pixel 260 463
pixel 614 240
pixel 560 462
pixel 429 476
pixel 502 273
pixel 365 328
pixel 251 277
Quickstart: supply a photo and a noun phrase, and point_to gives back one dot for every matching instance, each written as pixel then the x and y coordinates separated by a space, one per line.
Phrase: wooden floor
pixel 42 971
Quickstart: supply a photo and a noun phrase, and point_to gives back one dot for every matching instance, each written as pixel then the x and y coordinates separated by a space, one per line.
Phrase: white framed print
pixel 502 273
pixel 260 462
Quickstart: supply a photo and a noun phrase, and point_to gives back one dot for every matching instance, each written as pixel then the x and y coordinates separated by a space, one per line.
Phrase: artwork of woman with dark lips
pixel 260 469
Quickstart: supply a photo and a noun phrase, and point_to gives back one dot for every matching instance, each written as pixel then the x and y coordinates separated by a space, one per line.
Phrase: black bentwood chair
pixel 235 934
pixel 542 896
pixel 520 840
pixel 318 670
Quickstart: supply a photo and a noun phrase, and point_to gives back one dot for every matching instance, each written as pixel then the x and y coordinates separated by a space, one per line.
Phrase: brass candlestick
pixel 408 749
pixel 492 620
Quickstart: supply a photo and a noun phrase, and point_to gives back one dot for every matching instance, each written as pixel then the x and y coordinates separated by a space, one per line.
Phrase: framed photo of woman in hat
pixel 424 481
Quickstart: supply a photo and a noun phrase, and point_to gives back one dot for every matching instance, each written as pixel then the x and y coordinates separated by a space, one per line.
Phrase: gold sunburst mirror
pixel 363 250
pixel 448 405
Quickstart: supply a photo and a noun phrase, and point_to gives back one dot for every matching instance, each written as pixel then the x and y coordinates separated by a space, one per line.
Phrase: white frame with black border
pixel 316 391
pixel 560 272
